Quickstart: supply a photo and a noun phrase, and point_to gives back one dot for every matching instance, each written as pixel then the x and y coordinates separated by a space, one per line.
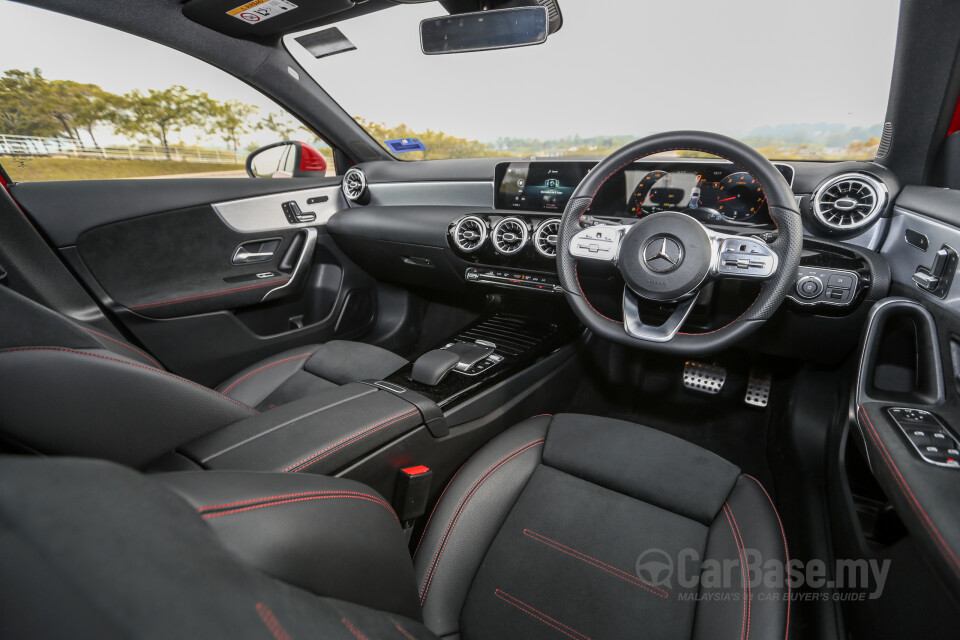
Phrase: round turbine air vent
pixel 510 235
pixel 849 201
pixel 545 238
pixel 469 234
pixel 355 185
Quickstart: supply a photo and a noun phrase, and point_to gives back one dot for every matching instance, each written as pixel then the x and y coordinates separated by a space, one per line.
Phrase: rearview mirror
pixel 483 30
pixel 288 159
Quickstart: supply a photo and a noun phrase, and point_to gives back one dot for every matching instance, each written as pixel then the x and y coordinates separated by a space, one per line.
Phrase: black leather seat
pixel 571 526
pixel 84 391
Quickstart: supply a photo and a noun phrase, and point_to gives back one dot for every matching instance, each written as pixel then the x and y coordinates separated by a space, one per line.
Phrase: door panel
pixel 894 478
pixel 217 283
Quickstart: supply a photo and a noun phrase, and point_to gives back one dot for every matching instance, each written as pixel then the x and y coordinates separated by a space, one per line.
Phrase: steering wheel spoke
pixel 740 257
pixel 600 243
pixel 637 328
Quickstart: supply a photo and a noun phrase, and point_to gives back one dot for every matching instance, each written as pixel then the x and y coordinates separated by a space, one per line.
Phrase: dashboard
pixel 712 191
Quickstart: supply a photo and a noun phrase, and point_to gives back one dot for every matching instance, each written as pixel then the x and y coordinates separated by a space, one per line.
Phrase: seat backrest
pixel 69 389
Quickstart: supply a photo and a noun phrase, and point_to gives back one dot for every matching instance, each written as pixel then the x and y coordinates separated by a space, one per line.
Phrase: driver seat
pixel 564 525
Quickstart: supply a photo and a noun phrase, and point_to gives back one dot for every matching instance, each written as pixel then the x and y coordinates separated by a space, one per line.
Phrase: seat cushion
pixel 598 528
pixel 307 370
pixel 93 550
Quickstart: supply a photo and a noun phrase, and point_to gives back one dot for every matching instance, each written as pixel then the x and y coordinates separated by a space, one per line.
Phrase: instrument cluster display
pixel 709 191
pixel 712 191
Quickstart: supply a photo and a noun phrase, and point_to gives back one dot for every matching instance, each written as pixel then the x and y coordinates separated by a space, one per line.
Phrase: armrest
pixel 334 537
pixel 319 434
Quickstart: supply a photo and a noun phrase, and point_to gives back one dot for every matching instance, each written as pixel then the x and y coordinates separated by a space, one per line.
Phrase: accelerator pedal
pixel 705 378
pixel 758 388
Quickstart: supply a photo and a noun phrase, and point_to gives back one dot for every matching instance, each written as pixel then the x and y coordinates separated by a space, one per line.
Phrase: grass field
pixel 44 169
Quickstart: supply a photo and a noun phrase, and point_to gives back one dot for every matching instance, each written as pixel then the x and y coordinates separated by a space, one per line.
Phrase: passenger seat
pixel 70 389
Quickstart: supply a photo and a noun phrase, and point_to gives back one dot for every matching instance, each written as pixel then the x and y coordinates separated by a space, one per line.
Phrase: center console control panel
pixel 514 279
pixel 928 435
pixel 817 285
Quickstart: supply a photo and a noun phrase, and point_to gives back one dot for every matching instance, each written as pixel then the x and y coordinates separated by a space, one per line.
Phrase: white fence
pixel 66 148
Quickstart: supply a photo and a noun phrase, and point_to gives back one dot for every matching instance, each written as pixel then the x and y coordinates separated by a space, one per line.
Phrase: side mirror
pixel 287 159
pixel 483 30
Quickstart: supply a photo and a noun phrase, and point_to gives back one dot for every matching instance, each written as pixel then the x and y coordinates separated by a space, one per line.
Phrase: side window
pixel 79 101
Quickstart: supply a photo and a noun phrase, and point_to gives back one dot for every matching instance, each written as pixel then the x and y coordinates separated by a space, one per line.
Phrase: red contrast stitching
pixel 264 368
pixel 599 564
pixel 352 629
pixel 323 453
pixel 446 535
pixel 743 578
pixel 925 520
pixel 290 495
pixel 211 294
pixel 443 493
pixel 275 503
pixel 746 569
pixel 122 344
pixel 132 364
pixel 406 634
pixel 271 621
pixel 786 552
pixel 539 615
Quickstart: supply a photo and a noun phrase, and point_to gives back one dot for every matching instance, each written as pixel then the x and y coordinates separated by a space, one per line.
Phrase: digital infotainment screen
pixel 538 186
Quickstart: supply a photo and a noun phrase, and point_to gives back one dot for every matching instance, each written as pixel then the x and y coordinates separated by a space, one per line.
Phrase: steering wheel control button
pixel 928 435
pixel 809 287
pixel 597 243
pixel 745 257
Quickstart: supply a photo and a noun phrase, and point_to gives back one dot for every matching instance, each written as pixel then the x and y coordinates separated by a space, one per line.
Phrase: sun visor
pixel 262 19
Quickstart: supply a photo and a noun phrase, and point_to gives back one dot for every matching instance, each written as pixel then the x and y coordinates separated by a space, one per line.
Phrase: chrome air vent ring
pixel 470 233
pixel 355 185
pixel 510 235
pixel 849 201
pixel 545 238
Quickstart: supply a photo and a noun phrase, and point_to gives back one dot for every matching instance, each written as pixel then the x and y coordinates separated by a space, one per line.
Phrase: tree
pixel 280 124
pixel 22 108
pixel 98 107
pixel 230 120
pixel 157 114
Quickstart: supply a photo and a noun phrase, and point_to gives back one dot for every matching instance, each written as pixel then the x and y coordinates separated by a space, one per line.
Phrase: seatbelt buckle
pixel 412 493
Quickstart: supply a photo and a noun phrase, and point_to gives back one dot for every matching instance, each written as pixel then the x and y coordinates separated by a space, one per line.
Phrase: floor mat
pixel 657 398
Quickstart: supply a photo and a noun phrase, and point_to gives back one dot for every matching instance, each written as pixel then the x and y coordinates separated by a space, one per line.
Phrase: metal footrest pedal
pixel 705 378
pixel 758 388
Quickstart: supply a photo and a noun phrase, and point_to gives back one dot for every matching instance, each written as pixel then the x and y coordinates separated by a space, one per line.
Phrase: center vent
pixel 545 238
pixel 355 186
pixel 470 234
pixel 510 235
pixel 849 201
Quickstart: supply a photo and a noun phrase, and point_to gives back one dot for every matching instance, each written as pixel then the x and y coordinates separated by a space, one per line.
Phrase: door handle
pixel 302 264
pixel 256 251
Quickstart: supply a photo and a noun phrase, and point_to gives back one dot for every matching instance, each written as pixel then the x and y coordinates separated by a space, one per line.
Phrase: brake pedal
pixel 758 389
pixel 705 378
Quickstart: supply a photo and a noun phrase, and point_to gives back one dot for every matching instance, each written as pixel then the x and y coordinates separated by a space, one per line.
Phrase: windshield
pixel 801 80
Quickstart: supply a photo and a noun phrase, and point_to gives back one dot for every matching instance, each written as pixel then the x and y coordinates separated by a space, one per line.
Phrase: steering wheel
pixel 669 256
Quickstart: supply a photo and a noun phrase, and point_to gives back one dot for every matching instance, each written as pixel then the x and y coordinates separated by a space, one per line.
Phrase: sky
pixel 636 67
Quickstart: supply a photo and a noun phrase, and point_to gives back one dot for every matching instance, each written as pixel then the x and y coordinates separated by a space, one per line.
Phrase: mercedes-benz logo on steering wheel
pixel 662 254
